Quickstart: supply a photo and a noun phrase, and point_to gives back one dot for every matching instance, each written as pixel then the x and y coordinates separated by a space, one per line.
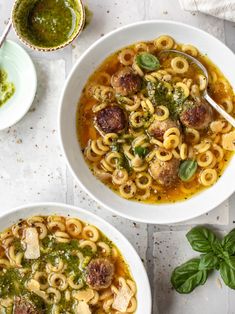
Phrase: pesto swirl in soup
pixel 56 265
pixel 144 127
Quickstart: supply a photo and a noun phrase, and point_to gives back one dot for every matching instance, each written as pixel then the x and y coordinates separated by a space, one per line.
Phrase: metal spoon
pixel 5 32
pixel 220 110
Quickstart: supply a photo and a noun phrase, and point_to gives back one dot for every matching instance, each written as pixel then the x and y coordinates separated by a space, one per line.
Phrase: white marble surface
pixel 33 169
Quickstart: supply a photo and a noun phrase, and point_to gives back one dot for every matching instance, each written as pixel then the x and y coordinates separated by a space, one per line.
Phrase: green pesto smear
pixel 7 89
pixel 48 23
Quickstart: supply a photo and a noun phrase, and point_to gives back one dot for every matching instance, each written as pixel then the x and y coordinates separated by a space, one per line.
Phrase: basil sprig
pixel 217 254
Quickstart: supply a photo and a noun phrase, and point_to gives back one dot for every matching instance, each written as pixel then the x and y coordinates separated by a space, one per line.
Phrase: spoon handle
pixel 220 110
pixel 5 33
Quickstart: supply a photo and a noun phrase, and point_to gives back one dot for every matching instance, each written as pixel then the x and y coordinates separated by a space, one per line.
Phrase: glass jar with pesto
pixel 48 24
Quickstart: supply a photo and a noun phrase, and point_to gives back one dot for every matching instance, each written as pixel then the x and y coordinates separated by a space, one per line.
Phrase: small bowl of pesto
pixel 48 25
pixel 18 83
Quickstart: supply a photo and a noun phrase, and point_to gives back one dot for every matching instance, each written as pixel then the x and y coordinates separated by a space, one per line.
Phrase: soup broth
pixel 56 264
pixel 144 127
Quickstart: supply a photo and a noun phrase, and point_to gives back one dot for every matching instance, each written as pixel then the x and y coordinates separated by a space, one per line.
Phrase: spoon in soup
pixel 205 95
pixel 5 32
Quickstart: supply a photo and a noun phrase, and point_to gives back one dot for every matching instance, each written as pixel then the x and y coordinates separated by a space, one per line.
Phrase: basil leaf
pixel 209 261
pixel 187 169
pixel 204 240
pixel 228 242
pixel 227 271
pixel 147 61
pixel 188 276
pixel 141 151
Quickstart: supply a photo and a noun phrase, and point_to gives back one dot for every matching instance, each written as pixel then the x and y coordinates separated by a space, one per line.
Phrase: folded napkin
pixel 223 9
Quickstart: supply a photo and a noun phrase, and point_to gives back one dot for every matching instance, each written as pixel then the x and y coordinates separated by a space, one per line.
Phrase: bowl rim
pixel 148 294
pixel 34 78
pixel 49 49
pixel 213 204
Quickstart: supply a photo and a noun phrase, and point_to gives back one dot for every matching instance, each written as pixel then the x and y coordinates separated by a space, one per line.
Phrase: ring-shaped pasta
pixel 128 189
pixel 53 296
pixel 58 267
pixel 147 105
pixel 99 106
pixel 227 104
pixel 184 151
pixel 106 166
pixel 119 176
pixel 90 155
pixel 103 78
pixel 105 248
pixel 203 146
pixel 184 88
pixel 58 281
pixel 143 196
pixel 110 138
pixel 141 47
pixel 143 180
pixel 41 278
pixel 112 159
pixel 137 119
pixel 218 152
pixel 208 177
pixel 171 141
pixel 134 105
pixel 163 155
pixel 90 233
pixel 62 237
pixel 162 113
pixel 88 243
pixel 137 69
pixel 42 230
pixel 126 56
pixel 189 49
pixel 163 42
pixel 73 227
pixel 132 306
pixel 171 131
pixel 179 65
pixel 205 159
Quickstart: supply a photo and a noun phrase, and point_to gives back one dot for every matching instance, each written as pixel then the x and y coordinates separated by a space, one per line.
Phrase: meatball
pixel 158 128
pixel 23 306
pixel 165 172
pixel 100 272
pixel 126 82
pixel 198 116
pixel 111 119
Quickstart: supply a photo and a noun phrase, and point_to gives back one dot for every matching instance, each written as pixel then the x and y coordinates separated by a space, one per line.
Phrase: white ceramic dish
pixel 21 71
pixel 159 213
pixel 127 250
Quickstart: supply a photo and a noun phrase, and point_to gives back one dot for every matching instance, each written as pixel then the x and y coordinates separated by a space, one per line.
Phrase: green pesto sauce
pixel 7 89
pixel 48 23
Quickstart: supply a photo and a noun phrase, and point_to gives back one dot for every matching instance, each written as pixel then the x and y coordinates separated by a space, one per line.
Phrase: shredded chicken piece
pixel 84 295
pixel 83 308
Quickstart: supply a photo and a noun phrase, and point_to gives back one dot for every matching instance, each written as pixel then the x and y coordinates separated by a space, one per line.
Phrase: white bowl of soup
pixel 135 129
pixel 63 259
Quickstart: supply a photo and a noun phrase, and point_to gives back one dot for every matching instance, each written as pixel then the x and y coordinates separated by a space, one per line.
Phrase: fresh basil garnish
pixel 147 61
pixel 187 169
pixel 228 242
pixel 209 261
pixel 188 276
pixel 141 151
pixel 203 240
pixel 217 255
pixel 227 271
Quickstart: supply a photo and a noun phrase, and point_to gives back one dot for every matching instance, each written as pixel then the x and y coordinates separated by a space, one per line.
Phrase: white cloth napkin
pixel 223 9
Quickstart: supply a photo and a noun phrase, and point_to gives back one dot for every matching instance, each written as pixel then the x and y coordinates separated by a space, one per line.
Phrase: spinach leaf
pixel 204 240
pixel 228 242
pixel 227 271
pixel 209 261
pixel 187 169
pixel 188 276
pixel 141 151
